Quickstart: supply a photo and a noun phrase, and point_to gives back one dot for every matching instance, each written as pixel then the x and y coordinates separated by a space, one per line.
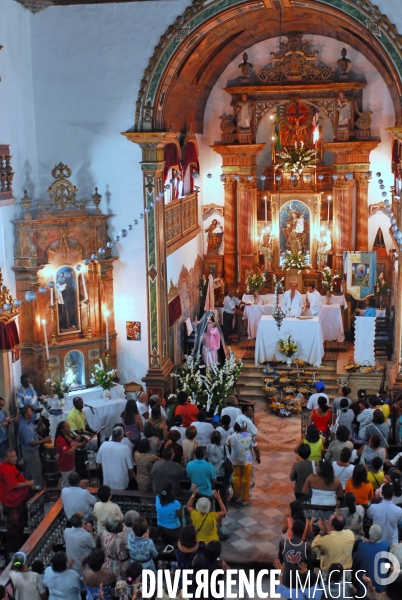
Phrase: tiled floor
pixel 255 530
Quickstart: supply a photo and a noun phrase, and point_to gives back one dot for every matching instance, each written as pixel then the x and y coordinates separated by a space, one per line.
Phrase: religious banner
pixel 361 273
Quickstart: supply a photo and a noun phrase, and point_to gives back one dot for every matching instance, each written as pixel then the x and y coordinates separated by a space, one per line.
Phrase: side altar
pixel 64 269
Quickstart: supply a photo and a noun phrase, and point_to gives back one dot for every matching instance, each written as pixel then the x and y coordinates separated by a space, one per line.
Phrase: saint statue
pixel 321 254
pixel 266 247
pixel 244 113
pixel 295 234
pixel 379 239
pixel 343 63
pixel 245 68
pixel 215 235
pixel 344 111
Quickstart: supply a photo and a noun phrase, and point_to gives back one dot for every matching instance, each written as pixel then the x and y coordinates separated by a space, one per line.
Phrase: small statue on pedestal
pixel 344 64
pixel 245 69
pixel 244 113
pixel 344 111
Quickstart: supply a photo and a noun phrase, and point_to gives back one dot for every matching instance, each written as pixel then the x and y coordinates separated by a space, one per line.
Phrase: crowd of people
pixel 347 506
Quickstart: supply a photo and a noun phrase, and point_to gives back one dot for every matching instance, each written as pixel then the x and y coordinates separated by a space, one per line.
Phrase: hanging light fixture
pixel 278 314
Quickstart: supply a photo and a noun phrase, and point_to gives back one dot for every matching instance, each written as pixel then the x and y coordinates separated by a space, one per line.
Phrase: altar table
pixel 330 318
pixel 306 333
pixel 104 411
pixel 270 299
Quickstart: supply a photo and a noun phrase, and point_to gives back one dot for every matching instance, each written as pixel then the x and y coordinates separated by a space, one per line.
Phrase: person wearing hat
pixel 204 520
pixel 319 387
pixel 27 584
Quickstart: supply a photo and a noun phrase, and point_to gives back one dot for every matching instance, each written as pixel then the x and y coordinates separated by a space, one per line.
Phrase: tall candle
pixel 329 200
pixel 107 329
pixel 84 285
pixel 51 292
pixel 45 336
pixel 266 214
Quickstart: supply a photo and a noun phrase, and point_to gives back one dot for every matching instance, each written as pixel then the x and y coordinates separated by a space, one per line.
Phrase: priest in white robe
pixel 292 301
pixel 313 301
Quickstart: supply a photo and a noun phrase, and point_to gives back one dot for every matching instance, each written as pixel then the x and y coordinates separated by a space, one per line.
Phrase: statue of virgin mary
pixel 209 340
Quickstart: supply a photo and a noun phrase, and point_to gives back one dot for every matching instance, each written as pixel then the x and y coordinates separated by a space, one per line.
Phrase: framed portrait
pixel 133 331
pixel 15 354
pixel 67 301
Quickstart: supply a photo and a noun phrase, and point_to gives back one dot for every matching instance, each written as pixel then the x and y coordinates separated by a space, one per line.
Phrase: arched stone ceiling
pixel 193 52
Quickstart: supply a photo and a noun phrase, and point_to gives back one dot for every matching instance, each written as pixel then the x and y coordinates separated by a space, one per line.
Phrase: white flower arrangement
pixel 295 260
pixel 102 377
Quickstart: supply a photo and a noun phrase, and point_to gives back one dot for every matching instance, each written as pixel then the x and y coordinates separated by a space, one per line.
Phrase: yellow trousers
pixel 241 481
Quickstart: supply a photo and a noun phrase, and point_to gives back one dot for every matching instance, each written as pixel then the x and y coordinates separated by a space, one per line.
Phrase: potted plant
pixel 288 347
pixel 104 379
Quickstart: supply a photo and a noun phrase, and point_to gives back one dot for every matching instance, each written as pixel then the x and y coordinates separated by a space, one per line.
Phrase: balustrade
pixel 181 218
pixel 6 173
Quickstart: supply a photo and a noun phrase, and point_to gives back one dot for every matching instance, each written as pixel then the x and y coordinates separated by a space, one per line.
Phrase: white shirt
pixel 79 543
pixel 233 412
pixel 116 460
pixel 313 400
pixel 27 585
pixel 229 304
pixel 251 428
pixel 204 432
pixel 315 300
pixel 142 409
pixel 182 431
pixel 77 499
pixel 387 515
pixel 225 434
pixel 126 442
pixel 295 305
pixel 343 473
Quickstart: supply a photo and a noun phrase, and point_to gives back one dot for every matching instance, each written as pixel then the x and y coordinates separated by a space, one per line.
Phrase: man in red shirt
pixel 186 409
pixel 14 493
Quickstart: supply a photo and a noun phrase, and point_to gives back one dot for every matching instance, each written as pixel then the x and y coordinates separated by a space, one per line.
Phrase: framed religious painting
pixel 15 354
pixel 133 329
pixel 67 301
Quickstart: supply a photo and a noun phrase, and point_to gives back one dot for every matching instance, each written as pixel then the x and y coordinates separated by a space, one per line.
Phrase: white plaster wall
pixel 376 98
pixel 88 62
pixel 183 257
pixel 17 126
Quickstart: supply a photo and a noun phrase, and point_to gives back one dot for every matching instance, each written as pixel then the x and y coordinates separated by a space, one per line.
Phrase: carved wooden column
pixel 362 213
pixel 157 379
pixel 239 162
pixel 230 259
pixel 342 219
pixel 247 226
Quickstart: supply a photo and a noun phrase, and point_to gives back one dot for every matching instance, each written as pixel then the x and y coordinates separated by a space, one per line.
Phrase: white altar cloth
pixel 270 298
pixel 331 322
pixel 306 333
pixel 364 341
pixel 330 318
pixel 253 315
pixel 104 411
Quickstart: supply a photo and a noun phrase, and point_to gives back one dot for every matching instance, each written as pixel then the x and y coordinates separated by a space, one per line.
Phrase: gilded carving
pixel 295 62
pixel 154 359
pixel 62 192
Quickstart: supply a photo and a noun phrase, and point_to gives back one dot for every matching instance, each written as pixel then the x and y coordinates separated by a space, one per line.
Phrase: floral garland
pixel 189 380
pixel 295 260
pixel 296 158
pixel 287 346
pixel 58 387
pixel 102 377
pixel 254 282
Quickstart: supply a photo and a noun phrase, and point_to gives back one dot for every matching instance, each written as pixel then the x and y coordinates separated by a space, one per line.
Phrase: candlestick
pixel 84 285
pixel 266 214
pixel 45 336
pixel 329 200
pixel 107 329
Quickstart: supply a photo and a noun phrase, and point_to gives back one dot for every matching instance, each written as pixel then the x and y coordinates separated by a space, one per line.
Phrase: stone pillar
pixel 247 226
pixel 230 258
pixel 362 214
pixel 157 379
pixel 240 161
pixel 342 218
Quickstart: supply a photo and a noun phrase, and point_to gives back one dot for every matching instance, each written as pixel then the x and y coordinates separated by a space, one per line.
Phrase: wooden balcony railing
pixel 6 173
pixel 181 221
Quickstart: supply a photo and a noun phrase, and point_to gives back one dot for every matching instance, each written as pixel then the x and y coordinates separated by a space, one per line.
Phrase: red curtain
pixel 190 160
pixel 8 336
pixel 174 310
pixel 172 158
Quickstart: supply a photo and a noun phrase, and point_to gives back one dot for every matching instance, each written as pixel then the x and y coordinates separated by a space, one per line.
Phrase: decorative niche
pixel 61 255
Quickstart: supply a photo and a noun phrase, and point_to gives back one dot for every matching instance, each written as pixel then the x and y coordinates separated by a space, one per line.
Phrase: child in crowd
pixel 224 428
pixel 178 426
pixel 105 508
pixel 140 547
pixel 302 468
pixel 375 474
pixel 126 589
pixel 189 445
pixel 38 567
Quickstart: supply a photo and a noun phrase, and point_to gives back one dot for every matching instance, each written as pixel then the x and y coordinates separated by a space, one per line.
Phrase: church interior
pixel 213 179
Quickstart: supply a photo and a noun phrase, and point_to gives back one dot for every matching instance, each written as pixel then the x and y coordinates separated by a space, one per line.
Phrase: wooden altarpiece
pixel 299 93
pixel 60 242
